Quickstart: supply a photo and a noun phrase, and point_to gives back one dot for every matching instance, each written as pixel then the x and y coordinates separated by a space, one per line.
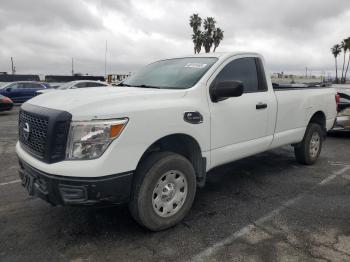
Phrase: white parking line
pixel 205 254
pixel 11 182
pixel 337 163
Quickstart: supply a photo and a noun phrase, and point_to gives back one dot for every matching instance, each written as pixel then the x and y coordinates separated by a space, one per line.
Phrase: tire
pixel 309 149
pixel 163 191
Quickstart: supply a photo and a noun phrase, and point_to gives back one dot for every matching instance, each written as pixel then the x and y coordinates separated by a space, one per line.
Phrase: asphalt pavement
pixel 262 208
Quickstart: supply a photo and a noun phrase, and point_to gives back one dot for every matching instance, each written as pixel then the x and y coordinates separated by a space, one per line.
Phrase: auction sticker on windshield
pixel 195 65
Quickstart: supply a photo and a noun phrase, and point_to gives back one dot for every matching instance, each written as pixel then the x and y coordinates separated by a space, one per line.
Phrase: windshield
pixel 4 85
pixel 179 73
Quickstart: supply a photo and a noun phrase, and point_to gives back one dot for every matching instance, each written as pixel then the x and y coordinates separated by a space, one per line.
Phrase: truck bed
pixel 282 87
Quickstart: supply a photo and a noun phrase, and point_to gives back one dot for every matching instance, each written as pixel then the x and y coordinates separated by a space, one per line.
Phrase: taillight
pixel 337 100
pixel 6 100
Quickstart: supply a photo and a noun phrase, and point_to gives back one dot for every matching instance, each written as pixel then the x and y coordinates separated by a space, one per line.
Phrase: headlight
pixel 88 140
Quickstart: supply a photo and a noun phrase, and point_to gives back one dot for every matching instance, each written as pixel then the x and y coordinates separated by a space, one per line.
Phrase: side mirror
pixel 226 89
pixel 8 89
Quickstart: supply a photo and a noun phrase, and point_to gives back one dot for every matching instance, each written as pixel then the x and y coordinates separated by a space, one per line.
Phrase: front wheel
pixel 164 190
pixel 309 149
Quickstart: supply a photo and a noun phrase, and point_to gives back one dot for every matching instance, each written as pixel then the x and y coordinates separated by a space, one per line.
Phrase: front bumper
pixel 76 191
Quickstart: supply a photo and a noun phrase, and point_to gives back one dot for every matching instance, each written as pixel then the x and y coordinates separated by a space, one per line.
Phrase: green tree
pixel 208 37
pixel 344 46
pixel 196 23
pixel 197 39
pixel 336 50
pixel 347 43
pixel 218 37
pixel 209 27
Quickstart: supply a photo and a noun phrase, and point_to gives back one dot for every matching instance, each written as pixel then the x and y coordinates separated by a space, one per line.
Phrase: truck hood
pixel 103 102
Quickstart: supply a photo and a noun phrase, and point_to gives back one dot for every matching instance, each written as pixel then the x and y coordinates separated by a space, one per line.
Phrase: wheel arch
pixel 184 145
pixel 319 117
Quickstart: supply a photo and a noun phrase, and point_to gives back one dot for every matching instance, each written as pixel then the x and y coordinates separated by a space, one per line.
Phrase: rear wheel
pixel 164 190
pixel 308 151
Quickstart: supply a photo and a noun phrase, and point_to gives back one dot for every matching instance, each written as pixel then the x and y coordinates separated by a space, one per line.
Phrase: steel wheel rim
pixel 315 143
pixel 169 193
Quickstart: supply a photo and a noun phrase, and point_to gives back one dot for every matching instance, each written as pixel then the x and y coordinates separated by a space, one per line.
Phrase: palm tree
pixel 197 41
pixel 196 23
pixel 343 46
pixel 347 42
pixel 336 50
pixel 218 36
pixel 209 26
pixel 206 38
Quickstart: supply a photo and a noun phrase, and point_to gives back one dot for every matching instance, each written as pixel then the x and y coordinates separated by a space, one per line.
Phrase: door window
pixel 99 84
pixel 32 86
pixel 91 84
pixel 81 85
pixel 244 70
pixel 14 86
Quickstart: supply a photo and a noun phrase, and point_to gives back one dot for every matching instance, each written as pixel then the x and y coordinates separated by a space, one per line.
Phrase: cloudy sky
pixel 43 35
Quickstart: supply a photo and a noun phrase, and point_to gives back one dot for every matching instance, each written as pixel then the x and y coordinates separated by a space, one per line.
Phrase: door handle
pixel 261 106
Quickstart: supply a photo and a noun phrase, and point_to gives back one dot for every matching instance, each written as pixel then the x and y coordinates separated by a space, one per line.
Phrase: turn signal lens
pixel 115 130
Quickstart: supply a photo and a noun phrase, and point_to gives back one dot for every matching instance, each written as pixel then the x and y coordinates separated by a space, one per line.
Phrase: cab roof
pixel 219 55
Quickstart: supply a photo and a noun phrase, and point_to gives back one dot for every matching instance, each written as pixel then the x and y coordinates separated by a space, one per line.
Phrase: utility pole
pixel 106 60
pixel 13 68
pixel 72 66
pixel 306 72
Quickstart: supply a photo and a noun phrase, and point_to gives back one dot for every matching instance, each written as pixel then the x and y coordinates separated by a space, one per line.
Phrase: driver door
pixel 239 125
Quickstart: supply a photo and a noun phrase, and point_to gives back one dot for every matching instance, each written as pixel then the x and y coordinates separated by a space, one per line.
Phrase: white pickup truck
pixel 151 141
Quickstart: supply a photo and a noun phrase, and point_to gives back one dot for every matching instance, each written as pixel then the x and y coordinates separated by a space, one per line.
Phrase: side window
pixel 100 84
pixel 13 86
pixel 244 70
pixel 261 75
pixel 80 85
pixel 26 85
pixel 38 86
pixel 20 85
pixel 32 85
pixel 91 84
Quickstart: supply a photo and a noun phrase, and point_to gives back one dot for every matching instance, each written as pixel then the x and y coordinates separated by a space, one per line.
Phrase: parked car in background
pixel 5 103
pixel 3 84
pixel 76 84
pixel 343 118
pixel 22 91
